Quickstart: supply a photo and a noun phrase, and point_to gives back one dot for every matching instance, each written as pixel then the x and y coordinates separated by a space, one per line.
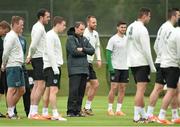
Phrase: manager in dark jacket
pixel 77 47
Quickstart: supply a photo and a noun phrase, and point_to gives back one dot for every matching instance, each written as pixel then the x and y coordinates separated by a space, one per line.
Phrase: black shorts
pixel 92 73
pixel 50 78
pixel 37 64
pixel 141 73
pixel 120 76
pixel 171 76
pixel 159 76
pixel 3 83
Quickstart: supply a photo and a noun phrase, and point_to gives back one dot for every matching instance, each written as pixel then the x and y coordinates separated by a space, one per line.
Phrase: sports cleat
pixel 176 120
pixel 48 117
pixel 81 114
pixel 13 117
pixel 88 112
pixel 120 113
pixel 2 115
pixel 36 117
pixel 163 121
pixel 60 118
pixel 141 120
pixel 152 118
pixel 110 113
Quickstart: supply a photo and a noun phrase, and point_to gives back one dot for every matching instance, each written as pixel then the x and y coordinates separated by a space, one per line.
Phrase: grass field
pixel 99 119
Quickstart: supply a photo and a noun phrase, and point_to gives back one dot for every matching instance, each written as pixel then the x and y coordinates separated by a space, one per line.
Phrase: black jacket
pixel 77 61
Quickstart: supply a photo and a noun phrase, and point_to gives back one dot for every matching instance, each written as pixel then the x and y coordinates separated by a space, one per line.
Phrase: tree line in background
pixel 108 12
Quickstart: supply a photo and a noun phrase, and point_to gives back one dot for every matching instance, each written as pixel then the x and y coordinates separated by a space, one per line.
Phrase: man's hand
pixel 28 60
pixel 80 49
pixel 99 63
pixel 3 68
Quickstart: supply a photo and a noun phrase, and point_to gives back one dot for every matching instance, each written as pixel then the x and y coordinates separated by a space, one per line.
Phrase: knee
pixel 22 91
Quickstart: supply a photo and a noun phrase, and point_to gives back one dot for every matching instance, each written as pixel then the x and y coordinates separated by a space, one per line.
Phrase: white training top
pixel 93 38
pixel 171 52
pixel 52 56
pixel 160 39
pixel 13 52
pixel 38 38
pixel 139 51
pixel 118 46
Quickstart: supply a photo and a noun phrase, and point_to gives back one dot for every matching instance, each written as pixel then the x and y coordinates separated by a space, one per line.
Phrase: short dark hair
pixel 16 19
pixel 121 22
pixel 172 12
pixel 78 23
pixel 41 12
pixel 89 16
pixel 5 25
pixel 143 11
pixel 57 19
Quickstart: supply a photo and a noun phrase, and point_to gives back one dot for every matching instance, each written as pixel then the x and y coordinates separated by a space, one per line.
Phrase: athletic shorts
pixel 50 78
pixel 159 76
pixel 15 76
pixel 37 64
pixel 171 76
pixel 92 73
pixel 3 82
pixel 120 76
pixel 141 73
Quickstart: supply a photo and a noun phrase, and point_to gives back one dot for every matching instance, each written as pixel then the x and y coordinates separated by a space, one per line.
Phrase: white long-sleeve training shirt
pixel 161 38
pixel 13 52
pixel 139 51
pixel 93 38
pixel 118 46
pixel 38 38
pixel 52 56
pixel 171 52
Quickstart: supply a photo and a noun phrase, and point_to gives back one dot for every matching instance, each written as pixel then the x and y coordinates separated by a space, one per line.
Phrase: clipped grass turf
pixel 99 119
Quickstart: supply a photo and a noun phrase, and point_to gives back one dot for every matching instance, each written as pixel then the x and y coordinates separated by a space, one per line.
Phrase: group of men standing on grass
pixel 45 55
pixel 123 52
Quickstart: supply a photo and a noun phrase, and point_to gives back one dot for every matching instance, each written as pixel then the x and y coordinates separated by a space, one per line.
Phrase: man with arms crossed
pixel 170 61
pixel 117 66
pixel 12 61
pixel 53 59
pixel 38 39
pixel 140 60
pixel 159 43
pixel 92 35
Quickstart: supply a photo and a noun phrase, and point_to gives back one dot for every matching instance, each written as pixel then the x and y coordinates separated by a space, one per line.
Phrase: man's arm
pixel 145 42
pixel 51 55
pixel 73 49
pixel 8 45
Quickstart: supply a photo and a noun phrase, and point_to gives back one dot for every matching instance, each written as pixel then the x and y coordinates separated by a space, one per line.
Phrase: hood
pixel 71 31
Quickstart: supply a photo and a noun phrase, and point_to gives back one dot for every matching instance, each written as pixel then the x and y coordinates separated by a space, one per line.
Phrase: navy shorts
pixel 92 73
pixel 37 64
pixel 50 78
pixel 141 73
pixel 15 76
pixel 120 76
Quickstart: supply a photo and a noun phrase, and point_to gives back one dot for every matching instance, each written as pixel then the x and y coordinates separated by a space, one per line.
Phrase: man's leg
pixel 72 106
pixel 121 94
pixel 153 99
pixel 26 96
pixel 166 101
pixel 13 96
pixel 46 96
pixel 81 92
pixel 111 98
pixel 139 101
pixel 93 86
